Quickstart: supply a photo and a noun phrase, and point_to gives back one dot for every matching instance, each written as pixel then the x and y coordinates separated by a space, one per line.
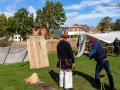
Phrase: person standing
pixel 102 62
pixel 116 45
pixel 64 53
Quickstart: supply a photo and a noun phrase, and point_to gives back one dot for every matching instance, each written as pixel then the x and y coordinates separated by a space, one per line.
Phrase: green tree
pixel 105 24
pixel 11 26
pixel 112 25
pixel 52 15
pixel 38 19
pixel 3 24
pixel 23 20
pixel 117 25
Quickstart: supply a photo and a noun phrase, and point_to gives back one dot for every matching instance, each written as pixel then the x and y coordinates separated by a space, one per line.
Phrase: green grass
pixel 12 76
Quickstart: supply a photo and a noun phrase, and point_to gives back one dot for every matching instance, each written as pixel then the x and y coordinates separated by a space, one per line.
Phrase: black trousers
pixel 116 51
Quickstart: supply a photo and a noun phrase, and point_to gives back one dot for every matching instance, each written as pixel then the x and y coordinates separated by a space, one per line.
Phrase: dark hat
pixel 65 36
pixel 91 40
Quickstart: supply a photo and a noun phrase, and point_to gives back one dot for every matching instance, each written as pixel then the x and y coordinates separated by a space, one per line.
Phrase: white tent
pixel 104 38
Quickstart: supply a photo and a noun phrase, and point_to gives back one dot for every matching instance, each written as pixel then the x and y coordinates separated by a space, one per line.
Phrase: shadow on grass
pixel 89 79
pixel 23 64
pixel 110 55
pixel 54 76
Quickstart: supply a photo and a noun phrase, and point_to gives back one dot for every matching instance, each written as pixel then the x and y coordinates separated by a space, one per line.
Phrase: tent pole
pixel 24 57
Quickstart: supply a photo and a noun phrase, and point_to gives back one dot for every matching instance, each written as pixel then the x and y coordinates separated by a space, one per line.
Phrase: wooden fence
pixel 52 44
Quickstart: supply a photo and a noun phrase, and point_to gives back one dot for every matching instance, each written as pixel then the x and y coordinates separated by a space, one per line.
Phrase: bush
pixel 57 37
pixel 75 36
pixel 4 43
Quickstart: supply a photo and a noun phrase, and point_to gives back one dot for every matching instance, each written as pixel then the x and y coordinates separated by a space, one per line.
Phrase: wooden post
pixel 37 52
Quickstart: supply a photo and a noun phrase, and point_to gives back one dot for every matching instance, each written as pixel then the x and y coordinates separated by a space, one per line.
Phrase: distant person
pixel 64 53
pixel 102 61
pixel 116 45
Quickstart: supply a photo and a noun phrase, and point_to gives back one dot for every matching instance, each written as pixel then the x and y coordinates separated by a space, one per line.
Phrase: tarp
pixel 13 54
pixel 81 44
pixel 106 37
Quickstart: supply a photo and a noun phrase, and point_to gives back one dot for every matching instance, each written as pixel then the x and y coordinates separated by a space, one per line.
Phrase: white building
pixel 17 37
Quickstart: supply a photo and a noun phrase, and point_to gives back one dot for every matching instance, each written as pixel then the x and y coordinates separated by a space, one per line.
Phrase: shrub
pixel 75 36
pixel 57 37
pixel 4 43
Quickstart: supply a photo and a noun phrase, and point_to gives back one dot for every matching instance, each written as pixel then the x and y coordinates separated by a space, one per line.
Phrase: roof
pixel 58 33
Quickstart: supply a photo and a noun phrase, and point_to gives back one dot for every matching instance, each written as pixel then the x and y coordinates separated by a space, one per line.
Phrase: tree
pixel 52 16
pixel 11 26
pixel 105 24
pixel 117 25
pixel 23 20
pixel 38 19
pixel 3 24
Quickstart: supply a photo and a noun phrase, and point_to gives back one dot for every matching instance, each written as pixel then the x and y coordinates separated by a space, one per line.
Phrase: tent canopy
pixel 106 37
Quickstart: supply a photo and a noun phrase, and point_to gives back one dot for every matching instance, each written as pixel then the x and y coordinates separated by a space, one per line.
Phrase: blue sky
pixel 88 12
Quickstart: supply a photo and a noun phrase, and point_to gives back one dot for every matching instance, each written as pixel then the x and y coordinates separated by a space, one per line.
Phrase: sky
pixel 89 12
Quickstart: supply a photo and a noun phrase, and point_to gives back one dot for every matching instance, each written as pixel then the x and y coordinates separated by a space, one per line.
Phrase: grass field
pixel 12 76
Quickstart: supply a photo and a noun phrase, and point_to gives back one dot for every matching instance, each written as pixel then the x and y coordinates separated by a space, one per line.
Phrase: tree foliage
pixel 23 20
pixel 38 19
pixel 52 15
pixel 117 25
pixel 105 24
pixel 11 26
pixel 3 24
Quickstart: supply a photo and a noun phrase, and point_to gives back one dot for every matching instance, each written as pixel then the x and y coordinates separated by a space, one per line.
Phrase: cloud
pixel 2 1
pixel 7 14
pixel 81 19
pixel 72 14
pixel 10 8
pixel 18 1
pixel 74 7
pixel 12 5
pixel 112 11
pixel 93 17
pixel 85 3
pixel 31 9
